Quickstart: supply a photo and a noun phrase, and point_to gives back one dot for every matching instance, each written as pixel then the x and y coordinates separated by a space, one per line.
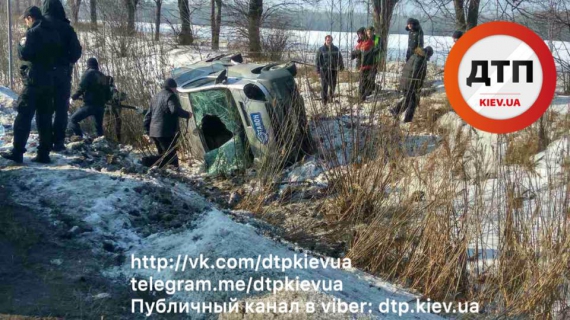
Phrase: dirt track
pixel 45 272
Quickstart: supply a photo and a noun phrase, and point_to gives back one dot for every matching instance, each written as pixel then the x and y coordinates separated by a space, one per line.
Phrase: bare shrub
pixel 275 44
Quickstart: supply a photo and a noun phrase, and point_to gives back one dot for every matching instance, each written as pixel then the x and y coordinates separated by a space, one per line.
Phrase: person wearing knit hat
pixel 54 13
pixel 364 55
pixel 161 122
pixel 95 89
pixel 456 35
pixel 415 36
pixel 377 50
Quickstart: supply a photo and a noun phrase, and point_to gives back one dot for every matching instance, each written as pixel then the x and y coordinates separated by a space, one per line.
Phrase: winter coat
pixel 364 54
pixel 329 59
pixel 161 120
pixel 377 48
pixel 71 48
pixel 414 71
pixel 39 53
pixel 94 87
pixel 415 38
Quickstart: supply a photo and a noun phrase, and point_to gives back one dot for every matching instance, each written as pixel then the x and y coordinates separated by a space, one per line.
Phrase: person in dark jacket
pixel 71 52
pixel 38 52
pixel 329 63
pixel 415 37
pixel 370 33
pixel 411 82
pixel 456 35
pixel 161 122
pixel 364 55
pixel 96 91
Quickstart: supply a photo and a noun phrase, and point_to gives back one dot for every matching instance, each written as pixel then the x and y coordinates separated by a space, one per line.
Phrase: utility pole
pixel 10 71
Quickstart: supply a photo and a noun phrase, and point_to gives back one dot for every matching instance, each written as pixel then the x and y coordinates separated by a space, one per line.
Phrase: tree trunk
pixel 215 46
pixel 185 37
pixel 472 14
pixel 75 5
pixel 460 22
pixel 157 20
pixel 216 21
pixel 93 5
pixel 254 24
pixel 131 13
pixel 383 10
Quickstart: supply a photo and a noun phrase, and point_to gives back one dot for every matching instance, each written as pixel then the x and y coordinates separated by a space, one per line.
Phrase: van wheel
pixel 289 66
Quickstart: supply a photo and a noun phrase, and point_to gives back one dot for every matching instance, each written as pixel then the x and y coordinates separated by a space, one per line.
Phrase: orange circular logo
pixel 500 77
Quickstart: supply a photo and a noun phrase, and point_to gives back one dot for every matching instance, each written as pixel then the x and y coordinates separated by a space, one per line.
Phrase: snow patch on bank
pixel 217 236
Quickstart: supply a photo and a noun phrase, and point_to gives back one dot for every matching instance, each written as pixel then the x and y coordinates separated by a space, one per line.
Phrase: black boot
pixel 58 147
pixel 18 158
pixel 41 158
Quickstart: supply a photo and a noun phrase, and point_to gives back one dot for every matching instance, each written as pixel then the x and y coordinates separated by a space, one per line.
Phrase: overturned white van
pixel 243 112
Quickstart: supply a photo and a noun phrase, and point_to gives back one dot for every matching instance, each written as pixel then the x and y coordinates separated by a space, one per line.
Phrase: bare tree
pixel 255 9
pixel 75 5
pixel 157 19
pixel 382 15
pixel 216 22
pixel 131 13
pixel 250 15
pixel 461 21
pixel 93 8
pixel 185 36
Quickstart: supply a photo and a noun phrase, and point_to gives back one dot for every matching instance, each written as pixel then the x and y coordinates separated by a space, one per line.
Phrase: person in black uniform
pixel 415 36
pixel 71 52
pixel 38 52
pixel 96 91
pixel 161 122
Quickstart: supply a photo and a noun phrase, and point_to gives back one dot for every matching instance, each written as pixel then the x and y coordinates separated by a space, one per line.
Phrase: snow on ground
pixel 561 104
pixel 7 114
pixel 126 213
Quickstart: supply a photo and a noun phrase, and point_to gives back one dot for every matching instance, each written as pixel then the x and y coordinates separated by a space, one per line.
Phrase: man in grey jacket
pixel 329 63
pixel 161 122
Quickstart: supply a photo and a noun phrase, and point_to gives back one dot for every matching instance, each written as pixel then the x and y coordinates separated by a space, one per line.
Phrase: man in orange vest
pixel 364 55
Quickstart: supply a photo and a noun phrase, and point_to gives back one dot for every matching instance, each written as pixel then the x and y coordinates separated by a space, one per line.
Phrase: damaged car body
pixel 243 113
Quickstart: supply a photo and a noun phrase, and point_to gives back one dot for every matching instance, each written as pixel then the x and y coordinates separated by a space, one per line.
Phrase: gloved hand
pixel 75 96
pixel 23 41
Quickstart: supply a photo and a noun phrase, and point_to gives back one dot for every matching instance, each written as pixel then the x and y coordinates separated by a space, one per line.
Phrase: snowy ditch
pixel 106 208
pixel 126 214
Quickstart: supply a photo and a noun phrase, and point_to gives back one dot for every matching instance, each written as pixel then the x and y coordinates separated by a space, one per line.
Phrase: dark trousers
pixel 166 147
pixel 83 113
pixel 367 83
pixel 62 92
pixel 408 105
pixel 38 101
pixel 328 84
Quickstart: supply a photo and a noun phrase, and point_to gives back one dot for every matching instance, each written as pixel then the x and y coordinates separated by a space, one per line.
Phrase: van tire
pixel 289 66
